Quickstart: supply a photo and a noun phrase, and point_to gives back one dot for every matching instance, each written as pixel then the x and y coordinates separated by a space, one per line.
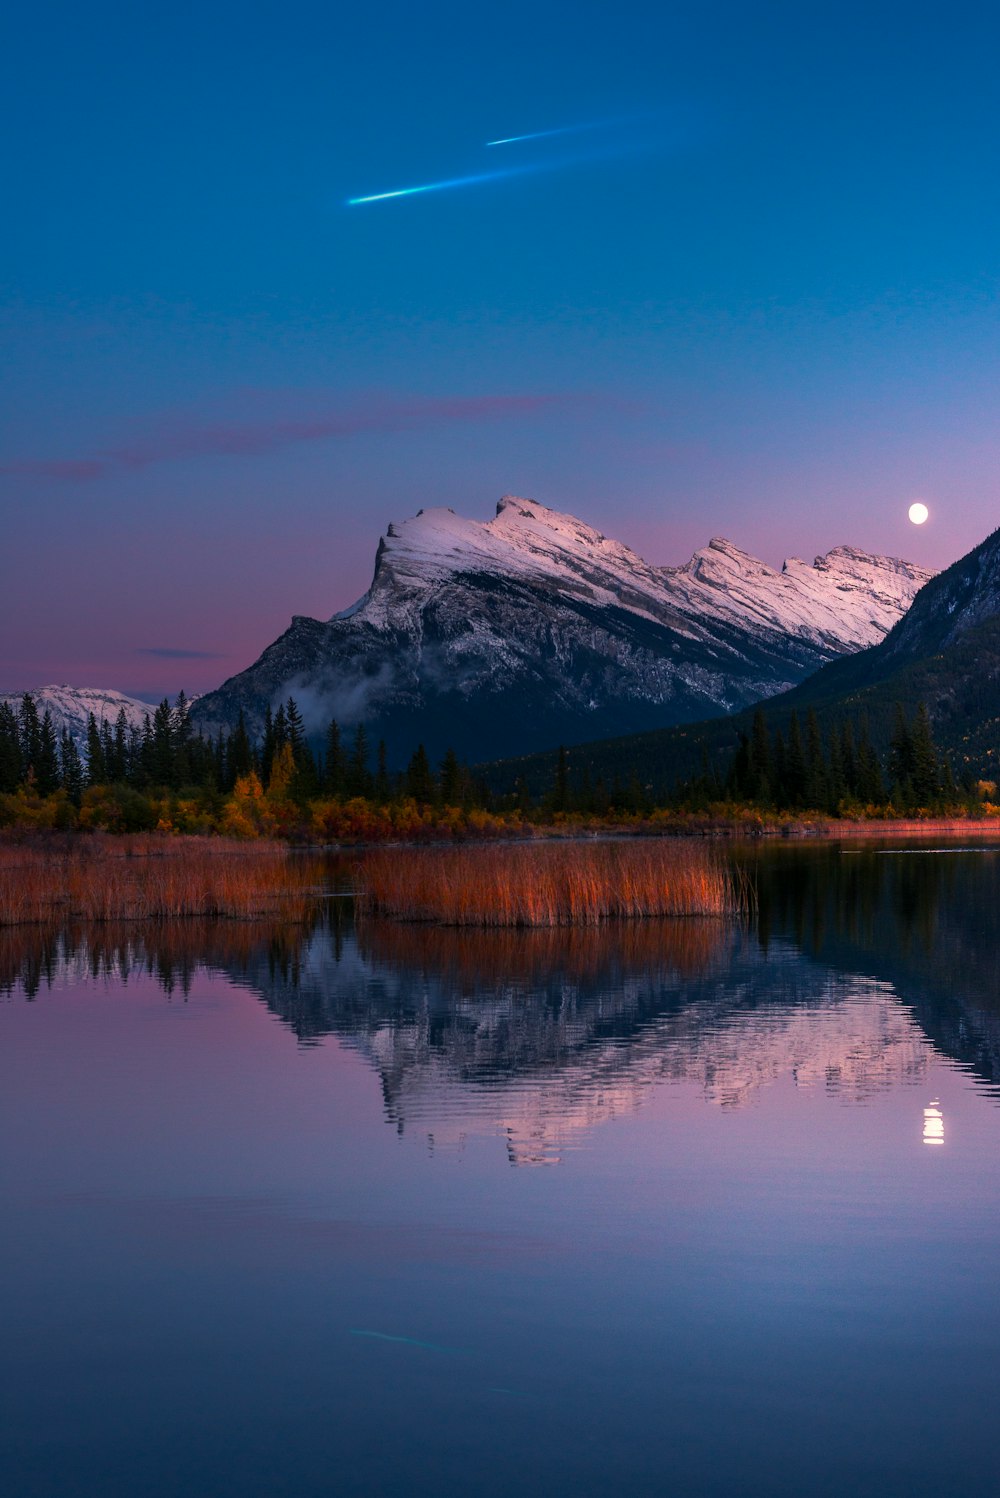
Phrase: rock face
pixel 70 708
pixel 532 629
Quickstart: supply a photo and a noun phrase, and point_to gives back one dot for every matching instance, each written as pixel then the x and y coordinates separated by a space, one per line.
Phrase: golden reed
pixel 549 884
pixel 145 877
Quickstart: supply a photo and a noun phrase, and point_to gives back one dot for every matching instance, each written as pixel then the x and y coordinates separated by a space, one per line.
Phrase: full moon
pixel 918 513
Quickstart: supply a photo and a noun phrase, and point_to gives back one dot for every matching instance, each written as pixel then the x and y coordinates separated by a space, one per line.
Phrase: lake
pixel 672 1207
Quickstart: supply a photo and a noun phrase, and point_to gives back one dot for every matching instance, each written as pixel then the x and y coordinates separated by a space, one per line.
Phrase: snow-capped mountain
pixel 533 628
pixel 70 707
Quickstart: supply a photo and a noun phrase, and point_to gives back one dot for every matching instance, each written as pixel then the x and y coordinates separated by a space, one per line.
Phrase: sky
pixel 742 282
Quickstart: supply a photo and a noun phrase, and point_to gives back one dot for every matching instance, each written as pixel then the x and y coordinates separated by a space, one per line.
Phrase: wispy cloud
pixel 168 653
pixel 178 438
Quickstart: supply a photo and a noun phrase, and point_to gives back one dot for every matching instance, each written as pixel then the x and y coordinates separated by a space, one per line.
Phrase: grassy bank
pixel 142 878
pixel 549 883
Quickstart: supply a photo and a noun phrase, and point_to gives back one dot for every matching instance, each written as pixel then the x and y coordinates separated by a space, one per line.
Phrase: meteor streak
pixel 511 140
pixel 407 192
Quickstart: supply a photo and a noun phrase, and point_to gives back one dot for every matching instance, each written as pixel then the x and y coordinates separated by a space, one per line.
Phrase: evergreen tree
pixel 870 788
pixel 30 730
pixel 11 764
pixel 925 778
pixel 901 761
pixel 70 768
pixel 358 774
pixel 162 766
pixel 795 765
pixel 334 762
pixel 451 779
pixel 239 753
pixel 47 767
pixel 184 760
pixel 816 776
pixel 96 771
pixel 836 786
pixel 759 766
pixel 383 785
pixel 115 748
pixel 268 747
pixel 294 728
pixel 419 780
pixel 848 759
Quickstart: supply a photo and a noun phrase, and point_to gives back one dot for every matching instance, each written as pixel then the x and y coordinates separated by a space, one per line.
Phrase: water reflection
pixel 860 966
pixel 934 1124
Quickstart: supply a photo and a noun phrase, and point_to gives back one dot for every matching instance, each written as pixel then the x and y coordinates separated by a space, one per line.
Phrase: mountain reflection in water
pixel 859 966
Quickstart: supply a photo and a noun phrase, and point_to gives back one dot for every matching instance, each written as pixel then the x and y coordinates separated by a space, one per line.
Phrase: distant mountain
pixel 534 629
pixel 70 707
pixel 945 652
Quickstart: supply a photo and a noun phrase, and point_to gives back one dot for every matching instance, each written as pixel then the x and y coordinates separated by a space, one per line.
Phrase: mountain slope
pixel 534 628
pixel 945 652
pixel 70 707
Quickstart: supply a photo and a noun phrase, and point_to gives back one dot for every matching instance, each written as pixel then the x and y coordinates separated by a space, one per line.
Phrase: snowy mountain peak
pixel 70 707
pixel 533 628
pixel 842 601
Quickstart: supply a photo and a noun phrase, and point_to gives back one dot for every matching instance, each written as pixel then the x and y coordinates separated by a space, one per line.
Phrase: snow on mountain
pixel 70 707
pixel 846 599
pixel 533 628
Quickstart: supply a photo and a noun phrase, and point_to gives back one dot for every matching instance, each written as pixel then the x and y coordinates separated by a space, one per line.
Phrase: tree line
pixel 167 754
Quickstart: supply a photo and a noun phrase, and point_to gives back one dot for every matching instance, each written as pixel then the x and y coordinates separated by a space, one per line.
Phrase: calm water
pixel 672 1209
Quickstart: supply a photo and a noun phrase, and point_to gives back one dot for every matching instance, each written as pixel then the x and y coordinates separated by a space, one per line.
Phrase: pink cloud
pixel 181 438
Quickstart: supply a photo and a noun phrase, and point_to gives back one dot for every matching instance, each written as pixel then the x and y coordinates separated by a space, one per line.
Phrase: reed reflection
pixel 861 966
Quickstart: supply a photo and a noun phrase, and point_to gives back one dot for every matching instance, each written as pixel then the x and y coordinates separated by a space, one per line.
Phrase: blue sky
pixel 756 297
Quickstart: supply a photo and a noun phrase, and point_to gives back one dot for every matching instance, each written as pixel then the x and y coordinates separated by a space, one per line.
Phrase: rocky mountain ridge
pixel 534 628
pixel 70 707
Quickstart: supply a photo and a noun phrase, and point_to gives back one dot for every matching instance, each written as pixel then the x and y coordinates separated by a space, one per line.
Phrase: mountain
pixel 534 629
pixel 945 652
pixel 70 707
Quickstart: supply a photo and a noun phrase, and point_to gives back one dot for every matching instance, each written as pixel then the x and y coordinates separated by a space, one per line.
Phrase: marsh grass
pixel 141 878
pixel 550 884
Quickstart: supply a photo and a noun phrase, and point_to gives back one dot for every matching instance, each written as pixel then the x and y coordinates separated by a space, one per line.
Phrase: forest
pixel 167 777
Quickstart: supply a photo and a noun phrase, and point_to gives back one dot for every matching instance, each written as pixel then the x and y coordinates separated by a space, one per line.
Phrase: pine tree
pixel 181 734
pixel 70 768
pixel 358 774
pixel 870 788
pixel 848 759
pixel 11 764
pixel 47 767
pixel 759 768
pixel 925 778
pixel 239 753
pixel 383 785
pixel 816 777
pixel 162 765
pixel 836 785
pixel 451 779
pixel 96 770
pixel 117 752
pixel 795 765
pixel 295 730
pixel 901 761
pixel 334 762
pixel 30 730
pixel 268 747
pixel 419 780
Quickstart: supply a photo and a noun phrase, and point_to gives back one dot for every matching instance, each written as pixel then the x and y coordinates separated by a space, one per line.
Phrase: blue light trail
pixel 510 140
pixel 407 192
